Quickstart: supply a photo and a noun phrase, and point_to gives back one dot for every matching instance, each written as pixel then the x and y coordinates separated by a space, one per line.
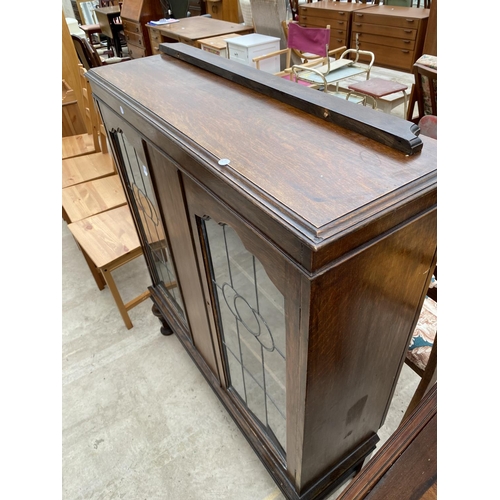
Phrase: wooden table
pixel 191 29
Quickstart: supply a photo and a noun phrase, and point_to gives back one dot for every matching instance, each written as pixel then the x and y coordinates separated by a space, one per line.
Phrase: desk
pixel 105 17
pixel 191 29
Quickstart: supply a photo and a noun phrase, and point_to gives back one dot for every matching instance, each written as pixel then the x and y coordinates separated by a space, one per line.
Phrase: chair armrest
pixel 334 52
pixel 357 52
pixel 257 59
pixel 305 67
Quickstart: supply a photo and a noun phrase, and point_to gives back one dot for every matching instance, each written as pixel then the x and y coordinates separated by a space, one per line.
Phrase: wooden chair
pixel 89 198
pixel 108 241
pixel 421 356
pixel 328 76
pixel 86 143
pixel 310 45
pixel 425 89
pixel 92 166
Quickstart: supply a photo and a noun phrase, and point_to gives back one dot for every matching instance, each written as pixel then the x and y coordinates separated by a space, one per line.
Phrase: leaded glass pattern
pixel 252 325
pixel 141 189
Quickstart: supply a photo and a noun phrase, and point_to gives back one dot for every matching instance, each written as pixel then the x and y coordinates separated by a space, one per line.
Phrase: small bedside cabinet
pixel 216 44
pixel 244 48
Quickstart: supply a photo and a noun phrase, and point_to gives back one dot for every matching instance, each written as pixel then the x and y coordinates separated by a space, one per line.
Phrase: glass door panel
pixel 138 180
pixel 251 321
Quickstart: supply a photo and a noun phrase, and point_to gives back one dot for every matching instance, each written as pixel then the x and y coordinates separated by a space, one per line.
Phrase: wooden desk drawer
pixel 134 38
pixel 131 26
pixel 155 48
pixel 322 23
pixel 154 36
pixel 136 52
pixel 323 13
pixel 387 31
pixel 391 57
pixel 400 43
pixel 386 20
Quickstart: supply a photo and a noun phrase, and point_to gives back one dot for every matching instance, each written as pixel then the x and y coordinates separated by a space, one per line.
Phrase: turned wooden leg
pixel 165 328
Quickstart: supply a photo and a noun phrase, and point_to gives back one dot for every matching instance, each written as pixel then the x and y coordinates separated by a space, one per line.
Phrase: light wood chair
pixel 108 241
pixel 90 166
pixel 90 198
pixel 86 143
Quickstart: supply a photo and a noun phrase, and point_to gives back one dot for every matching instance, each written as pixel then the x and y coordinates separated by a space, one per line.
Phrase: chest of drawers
pixel 135 14
pixel 337 15
pixel 394 34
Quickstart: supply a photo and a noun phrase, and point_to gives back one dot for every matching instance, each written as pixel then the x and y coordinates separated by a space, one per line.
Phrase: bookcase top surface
pixel 290 162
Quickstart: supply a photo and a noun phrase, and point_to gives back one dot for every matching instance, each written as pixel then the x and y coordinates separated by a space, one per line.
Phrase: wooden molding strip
pixel 386 129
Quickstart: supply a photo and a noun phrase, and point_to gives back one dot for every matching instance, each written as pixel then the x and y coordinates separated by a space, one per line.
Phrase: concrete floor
pixel 138 419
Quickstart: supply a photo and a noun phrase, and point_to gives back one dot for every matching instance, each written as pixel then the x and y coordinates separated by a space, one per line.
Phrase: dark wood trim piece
pixel 381 127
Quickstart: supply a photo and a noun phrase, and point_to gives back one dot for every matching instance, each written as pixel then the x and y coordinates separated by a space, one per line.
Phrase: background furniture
pixel 428 126
pixel 135 14
pixel 91 166
pixel 293 287
pixel 244 48
pixel 421 356
pixel 425 89
pixel 225 10
pixel 310 47
pixel 405 467
pixel 72 121
pixel 394 34
pixel 216 44
pixel 268 17
pixel 111 26
pixel 109 240
pixel 336 14
pixel 377 89
pixel 329 78
pixel 191 29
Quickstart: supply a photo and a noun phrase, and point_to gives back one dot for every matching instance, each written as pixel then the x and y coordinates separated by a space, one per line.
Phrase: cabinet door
pixel 253 301
pixel 135 170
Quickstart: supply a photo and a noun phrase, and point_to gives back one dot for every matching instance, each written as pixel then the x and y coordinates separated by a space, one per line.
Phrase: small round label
pixel 224 161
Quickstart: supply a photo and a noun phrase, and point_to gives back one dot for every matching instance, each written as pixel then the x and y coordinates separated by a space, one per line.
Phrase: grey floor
pixel 139 422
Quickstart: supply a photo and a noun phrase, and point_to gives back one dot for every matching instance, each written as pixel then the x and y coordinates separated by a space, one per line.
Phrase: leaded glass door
pixel 251 324
pixel 137 176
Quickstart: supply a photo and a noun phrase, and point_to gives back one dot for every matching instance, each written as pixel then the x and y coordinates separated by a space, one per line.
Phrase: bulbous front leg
pixel 165 328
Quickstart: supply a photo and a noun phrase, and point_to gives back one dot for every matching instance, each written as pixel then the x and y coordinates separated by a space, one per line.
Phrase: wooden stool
pixel 376 88
pixel 109 240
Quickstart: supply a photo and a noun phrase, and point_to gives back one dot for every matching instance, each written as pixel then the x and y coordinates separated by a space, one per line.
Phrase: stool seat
pixel 377 88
